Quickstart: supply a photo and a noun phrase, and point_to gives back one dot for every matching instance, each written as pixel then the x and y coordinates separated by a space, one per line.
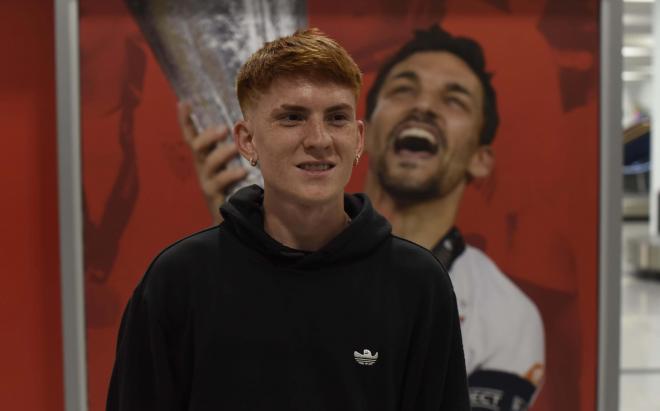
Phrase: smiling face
pixel 305 135
pixel 423 135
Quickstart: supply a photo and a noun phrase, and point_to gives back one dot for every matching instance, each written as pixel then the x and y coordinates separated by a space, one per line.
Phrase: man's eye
pixel 401 89
pixel 291 118
pixel 456 102
pixel 338 118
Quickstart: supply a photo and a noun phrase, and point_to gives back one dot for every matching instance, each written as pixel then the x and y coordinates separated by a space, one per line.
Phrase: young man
pixel 432 116
pixel 301 299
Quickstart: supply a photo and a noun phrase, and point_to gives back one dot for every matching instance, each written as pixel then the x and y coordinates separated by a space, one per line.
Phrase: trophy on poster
pixel 201 44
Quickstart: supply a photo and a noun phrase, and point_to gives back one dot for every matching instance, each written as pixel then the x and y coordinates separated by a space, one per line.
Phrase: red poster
pixel 533 216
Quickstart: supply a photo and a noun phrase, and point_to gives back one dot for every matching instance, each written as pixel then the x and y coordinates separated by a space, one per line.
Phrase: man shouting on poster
pixel 431 119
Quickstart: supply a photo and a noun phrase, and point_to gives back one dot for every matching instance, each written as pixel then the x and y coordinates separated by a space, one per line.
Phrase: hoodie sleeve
pixel 147 373
pixel 436 379
pixel 455 393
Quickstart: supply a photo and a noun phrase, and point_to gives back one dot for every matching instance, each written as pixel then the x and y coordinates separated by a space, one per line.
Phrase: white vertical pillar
pixel 655 121
pixel 610 198
pixel 70 204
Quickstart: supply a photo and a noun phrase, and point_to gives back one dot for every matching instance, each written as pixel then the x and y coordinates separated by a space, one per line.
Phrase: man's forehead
pixel 313 81
pixel 306 92
pixel 435 65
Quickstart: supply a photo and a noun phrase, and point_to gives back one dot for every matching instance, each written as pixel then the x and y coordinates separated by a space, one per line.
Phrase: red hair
pixel 306 53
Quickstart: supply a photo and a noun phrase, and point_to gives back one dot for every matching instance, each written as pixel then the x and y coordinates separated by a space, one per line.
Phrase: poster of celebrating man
pixel 481 146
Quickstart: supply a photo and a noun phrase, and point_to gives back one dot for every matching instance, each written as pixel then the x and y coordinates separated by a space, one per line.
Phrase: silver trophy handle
pixel 200 46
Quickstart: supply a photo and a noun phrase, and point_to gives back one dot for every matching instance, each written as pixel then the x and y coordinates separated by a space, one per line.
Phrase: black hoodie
pixel 230 319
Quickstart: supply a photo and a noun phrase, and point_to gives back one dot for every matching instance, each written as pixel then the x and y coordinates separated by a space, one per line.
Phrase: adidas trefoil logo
pixel 366 358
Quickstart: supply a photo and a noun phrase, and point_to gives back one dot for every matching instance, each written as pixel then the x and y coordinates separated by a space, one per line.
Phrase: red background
pixel 31 344
pixel 541 202
pixel 536 216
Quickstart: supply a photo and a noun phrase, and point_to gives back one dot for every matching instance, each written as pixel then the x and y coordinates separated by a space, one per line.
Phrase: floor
pixel 640 335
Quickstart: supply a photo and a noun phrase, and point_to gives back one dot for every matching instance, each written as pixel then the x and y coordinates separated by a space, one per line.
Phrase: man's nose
pixel 428 104
pixel 317 136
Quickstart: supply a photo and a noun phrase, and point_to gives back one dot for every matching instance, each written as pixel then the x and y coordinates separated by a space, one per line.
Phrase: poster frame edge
pixel 70 204
pixel 610 208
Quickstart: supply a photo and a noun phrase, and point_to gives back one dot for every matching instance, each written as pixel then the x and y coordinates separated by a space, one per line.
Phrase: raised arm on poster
pixel 200 45
pixel 431 118
pixel 211 159
pixel 302 299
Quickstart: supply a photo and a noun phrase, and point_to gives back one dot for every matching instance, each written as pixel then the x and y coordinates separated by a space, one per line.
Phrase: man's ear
pixel 361 129
pixel 482 162
pixel 368 141
pixel 245 140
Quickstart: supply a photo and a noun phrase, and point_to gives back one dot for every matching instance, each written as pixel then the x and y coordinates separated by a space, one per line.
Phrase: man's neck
pixel 303 227
pixel 424 223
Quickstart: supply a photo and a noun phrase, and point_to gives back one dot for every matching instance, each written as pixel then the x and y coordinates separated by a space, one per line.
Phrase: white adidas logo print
pixel 366 358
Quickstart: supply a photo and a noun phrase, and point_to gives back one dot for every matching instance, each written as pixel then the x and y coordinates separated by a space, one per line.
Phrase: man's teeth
pixel 417 132
pixel 315 167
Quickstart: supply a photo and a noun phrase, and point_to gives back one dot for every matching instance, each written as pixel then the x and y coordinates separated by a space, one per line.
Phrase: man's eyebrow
pixel 451 87
pixel 339 107
pixel 408 75
pixel 459 88
pixel 303 109
pixel 290 108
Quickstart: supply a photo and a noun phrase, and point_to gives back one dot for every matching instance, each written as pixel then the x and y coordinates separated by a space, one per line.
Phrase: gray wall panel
pixel 611 147
pixel 70 204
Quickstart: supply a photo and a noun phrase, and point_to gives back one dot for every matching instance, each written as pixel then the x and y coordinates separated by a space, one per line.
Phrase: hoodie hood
pixel 243 216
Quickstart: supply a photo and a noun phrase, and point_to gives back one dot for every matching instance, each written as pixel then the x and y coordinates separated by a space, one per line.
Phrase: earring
pixel 253 162
pixel 357 159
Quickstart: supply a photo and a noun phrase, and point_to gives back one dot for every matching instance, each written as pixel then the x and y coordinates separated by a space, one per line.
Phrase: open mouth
pixel 316 167
pixel 415 140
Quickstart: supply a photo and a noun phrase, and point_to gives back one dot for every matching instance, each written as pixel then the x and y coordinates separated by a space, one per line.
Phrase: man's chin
pixel 406 192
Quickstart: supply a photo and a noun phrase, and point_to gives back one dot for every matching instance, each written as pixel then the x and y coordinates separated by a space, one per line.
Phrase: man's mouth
pixel 315 167
pixel 415 140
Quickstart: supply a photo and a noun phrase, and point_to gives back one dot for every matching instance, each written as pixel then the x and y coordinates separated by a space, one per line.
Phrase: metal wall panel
pixel 611 140
pixel 70 204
